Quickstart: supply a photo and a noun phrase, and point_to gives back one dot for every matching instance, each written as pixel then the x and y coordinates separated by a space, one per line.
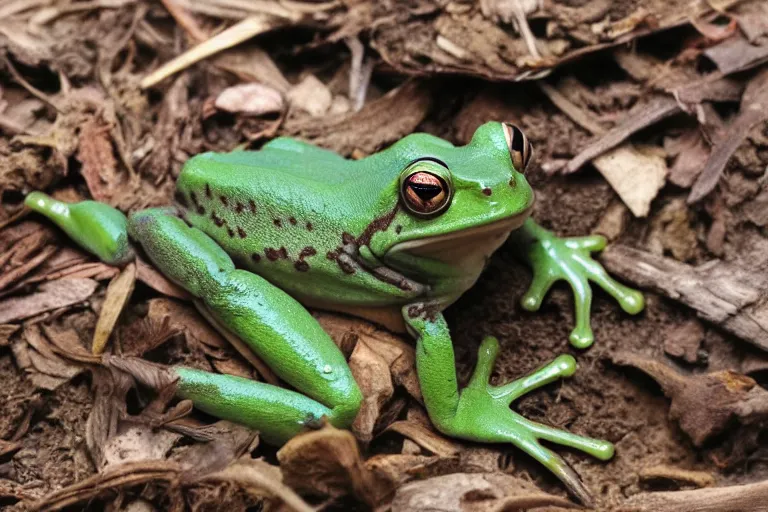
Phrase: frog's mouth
pixel 458 247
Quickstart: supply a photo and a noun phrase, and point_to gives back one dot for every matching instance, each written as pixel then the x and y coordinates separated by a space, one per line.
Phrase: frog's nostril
pixel 512 182
pixel 487 191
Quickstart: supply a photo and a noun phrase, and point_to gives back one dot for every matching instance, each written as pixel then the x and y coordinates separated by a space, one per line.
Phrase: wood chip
pixel 656 109
pixel 118 293
pixel 728 294
pixel 425 437
pixel 234 35
pixel 752 497
pixel 251 99
pixel 52 295
pixel 467 492
pixel 754 110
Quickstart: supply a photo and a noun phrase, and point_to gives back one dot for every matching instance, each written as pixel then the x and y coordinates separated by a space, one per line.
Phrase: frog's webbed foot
pixel 484 414
pixel 570 259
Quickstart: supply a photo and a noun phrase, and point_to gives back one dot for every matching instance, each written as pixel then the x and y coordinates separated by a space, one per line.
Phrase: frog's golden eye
pixel 424 188
pixel 520 148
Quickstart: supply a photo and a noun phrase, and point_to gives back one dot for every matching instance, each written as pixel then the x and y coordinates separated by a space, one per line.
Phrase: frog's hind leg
pixel 96 227
pixel 271 323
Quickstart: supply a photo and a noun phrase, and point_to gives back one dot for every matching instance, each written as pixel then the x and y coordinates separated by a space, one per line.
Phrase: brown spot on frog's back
pixel 292 220
pixel 252 206
pixel 301 266
pixel 239 207
pixel 224 200
pixel 241 232
pixel 309 226
pixel 208 192
pixel 256 257
pixel 277 222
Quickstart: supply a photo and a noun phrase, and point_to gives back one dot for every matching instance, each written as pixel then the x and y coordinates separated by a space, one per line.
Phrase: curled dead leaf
pixel 328 462
pixel 371 372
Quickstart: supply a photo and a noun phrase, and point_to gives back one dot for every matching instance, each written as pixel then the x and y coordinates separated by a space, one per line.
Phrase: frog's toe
pixel 540 286
pixel 592 243
pixel 485 415
pixel 582 337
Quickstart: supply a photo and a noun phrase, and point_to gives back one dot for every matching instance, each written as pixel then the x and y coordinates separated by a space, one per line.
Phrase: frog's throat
pixel 482 240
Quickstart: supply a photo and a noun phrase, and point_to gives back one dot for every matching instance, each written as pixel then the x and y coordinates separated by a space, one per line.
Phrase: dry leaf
pixel 636 176
pixel 327 462
pixel 474 492
pixel 118 293
pixel 137 443
pixel 252 99
pixel 371 372
pixel 52 295
pixel 37 357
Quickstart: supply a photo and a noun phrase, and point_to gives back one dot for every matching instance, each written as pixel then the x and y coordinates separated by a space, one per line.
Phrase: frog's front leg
pixel 270 322
pixel 481 412
pixel 553 258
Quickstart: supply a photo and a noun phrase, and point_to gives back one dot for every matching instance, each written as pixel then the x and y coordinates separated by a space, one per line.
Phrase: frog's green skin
pixel 257 234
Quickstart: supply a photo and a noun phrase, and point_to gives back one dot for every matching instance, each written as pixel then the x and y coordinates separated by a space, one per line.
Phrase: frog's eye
pixel 520 148
pixel 425 187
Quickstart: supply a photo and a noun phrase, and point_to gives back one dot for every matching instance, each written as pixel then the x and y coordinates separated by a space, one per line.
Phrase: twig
pixel 232 36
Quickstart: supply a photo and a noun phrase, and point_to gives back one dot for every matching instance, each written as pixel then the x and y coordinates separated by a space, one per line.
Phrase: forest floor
pixel 649 123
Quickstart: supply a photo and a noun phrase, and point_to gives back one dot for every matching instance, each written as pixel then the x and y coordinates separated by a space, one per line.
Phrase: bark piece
pixel 684 340
pixel 704 405
pixel 730 295
pixel 754 110
pixel 52 295
pixel 752 497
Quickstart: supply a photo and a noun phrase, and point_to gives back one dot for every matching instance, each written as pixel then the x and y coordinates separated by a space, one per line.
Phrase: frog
pixel 257 237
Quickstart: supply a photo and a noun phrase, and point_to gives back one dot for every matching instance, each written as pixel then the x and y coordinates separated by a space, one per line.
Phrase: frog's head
pixel 457 205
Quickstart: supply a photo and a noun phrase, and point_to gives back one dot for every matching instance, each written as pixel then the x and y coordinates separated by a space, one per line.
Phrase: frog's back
pixel 284 211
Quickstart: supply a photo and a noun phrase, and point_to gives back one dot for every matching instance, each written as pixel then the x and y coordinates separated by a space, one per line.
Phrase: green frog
pixel 395 238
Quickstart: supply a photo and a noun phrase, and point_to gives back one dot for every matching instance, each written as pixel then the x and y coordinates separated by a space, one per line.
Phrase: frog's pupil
pixel 518 139
pixel 425 191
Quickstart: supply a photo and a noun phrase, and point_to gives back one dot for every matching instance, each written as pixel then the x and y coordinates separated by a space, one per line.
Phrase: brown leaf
pixel 52 295
pixel 136 443
pixel 475 492
pixel 327 462
pixel 118 293
pixel 148 275
pixel 635 175
pixel 706 404
pixel 37 357
pixel 371 372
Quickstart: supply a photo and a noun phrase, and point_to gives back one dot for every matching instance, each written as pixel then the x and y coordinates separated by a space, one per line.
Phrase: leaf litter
pixel 106 100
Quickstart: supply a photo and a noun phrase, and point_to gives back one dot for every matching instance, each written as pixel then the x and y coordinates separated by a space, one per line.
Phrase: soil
pixel 54 431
